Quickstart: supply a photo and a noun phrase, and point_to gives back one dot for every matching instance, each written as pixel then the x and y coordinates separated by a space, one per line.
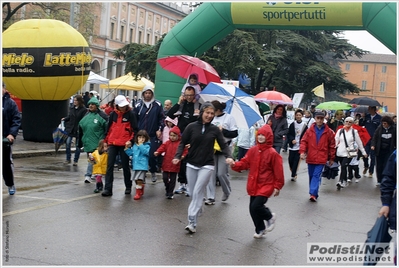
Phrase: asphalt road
pixel 55 219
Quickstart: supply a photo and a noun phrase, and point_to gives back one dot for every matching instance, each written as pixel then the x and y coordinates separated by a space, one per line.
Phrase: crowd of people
pixel 193 146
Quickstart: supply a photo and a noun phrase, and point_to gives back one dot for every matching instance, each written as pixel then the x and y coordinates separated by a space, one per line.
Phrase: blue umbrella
pixel 239 104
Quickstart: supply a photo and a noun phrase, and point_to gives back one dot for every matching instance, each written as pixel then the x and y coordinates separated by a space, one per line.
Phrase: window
pixel 111 34
pixel 365 68
pixel 148 38
pixel 141 14
pixel 157 20
pixel 364 85
pixel 156 39
pixel 131 35
pixel 347 67
pixel 384 69
pixel 382 87
pixel 139 41
pixel 122 31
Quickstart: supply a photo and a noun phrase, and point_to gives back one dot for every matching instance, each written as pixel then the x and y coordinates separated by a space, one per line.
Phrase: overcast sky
pixel 364 40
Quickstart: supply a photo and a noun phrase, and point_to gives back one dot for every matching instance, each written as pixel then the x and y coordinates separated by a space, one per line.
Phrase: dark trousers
pixel 8 165
pixel 293 161
pixel 113 151
pixel 382 160
pixel 344 162
pixel 182 173
pixel 259 212
pixel 352 169
pixel 371 156
pixel 241 152
pixel 169 179
pixel 153 160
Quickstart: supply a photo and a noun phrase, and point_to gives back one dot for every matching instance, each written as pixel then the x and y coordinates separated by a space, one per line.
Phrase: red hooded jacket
pixel 265 166
pixel 170 148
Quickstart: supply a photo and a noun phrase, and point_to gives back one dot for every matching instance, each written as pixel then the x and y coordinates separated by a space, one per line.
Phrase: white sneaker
pixel 87 179
pixel 357 180
pixel 271 223
pixel 378 184
pixel 260 235
pixel 349 181
pixel 191 228
pixel 344 184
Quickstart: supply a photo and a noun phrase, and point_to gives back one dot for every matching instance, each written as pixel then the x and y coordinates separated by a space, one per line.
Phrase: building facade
pixel 376 76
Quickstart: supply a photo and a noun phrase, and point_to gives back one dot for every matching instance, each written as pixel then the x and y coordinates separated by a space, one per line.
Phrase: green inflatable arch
pixel 211 22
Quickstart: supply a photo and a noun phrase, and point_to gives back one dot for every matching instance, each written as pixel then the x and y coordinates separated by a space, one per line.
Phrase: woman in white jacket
pixel 352 141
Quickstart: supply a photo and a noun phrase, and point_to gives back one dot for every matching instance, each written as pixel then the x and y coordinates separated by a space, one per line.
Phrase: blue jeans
pixel 89 170
pixel 68 149
pixel 314 171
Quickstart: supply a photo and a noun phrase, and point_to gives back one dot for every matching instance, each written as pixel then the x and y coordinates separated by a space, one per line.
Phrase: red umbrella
pixel 273 97
pixel 183 66
pixel 363 133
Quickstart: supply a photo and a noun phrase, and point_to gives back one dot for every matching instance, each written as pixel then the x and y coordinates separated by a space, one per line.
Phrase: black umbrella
pixel 360 110
pixel 365 101
pixel 379 236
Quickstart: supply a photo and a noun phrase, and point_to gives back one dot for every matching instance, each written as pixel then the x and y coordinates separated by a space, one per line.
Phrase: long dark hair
pixel 219 105
pixel 143 133
pixel 284 111
pixel 80 100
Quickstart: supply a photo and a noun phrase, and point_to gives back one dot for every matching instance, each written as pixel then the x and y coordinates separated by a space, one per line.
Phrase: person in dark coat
pixel 86 98
pixel 296 131
pixel 11 125
pixel 388 195
pixel 383 144
pixel 278 123
pixel 76 114
pixel 150 116
pixel 371 122
pixel 186 118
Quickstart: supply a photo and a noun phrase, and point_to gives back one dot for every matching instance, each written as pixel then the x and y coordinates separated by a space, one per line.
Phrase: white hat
pixel 121 101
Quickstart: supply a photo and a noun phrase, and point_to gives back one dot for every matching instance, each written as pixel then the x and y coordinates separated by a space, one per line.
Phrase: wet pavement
pixel 56 219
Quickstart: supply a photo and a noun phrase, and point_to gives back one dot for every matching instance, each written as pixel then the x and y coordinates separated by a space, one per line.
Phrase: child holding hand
pixel 265 179
pixel 170 170
pixel 99 159
pixel 140 153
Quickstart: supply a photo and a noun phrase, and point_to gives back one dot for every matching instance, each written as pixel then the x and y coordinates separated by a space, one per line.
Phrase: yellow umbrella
pixel 127 82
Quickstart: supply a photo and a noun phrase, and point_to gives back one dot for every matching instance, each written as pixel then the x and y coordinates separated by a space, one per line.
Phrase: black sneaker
pixel 128 191
pixel 210 202
pixel 106 193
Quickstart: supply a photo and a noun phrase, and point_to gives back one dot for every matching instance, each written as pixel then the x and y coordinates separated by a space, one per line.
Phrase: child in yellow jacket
pixel 99 158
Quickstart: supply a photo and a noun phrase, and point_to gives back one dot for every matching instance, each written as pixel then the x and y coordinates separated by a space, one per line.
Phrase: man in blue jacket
pixel 388 194
pixel 371 122
pixel 150 117
pixel 11 125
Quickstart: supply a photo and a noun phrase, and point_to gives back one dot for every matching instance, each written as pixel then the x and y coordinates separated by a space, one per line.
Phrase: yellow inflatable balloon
pixel 44 59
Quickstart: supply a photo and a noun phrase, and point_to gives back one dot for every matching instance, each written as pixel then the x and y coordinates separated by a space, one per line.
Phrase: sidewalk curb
pixel 23 154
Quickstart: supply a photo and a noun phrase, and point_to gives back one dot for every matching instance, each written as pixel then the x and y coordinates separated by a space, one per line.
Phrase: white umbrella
pixel 239 104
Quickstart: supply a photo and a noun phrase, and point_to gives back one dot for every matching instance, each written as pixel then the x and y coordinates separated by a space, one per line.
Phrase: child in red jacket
pixel 265 179
pixel 169 170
